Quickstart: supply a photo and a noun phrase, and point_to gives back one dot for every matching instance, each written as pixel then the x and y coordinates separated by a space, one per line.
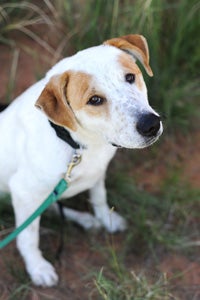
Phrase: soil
pixel 81 255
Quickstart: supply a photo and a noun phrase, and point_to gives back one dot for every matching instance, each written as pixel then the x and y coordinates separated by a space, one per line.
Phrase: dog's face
pixel 100 91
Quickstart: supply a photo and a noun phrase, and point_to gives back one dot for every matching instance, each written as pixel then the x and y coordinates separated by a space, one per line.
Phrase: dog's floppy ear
pixel 53 102
pixel 136 45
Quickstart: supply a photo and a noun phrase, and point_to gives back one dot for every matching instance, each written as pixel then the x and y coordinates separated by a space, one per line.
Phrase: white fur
pixel 33 159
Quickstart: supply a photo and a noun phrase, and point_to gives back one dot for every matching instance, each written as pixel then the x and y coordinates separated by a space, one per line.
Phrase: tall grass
pixel 21 17
pixel 26 18
pixel 132 286
pixel 171 28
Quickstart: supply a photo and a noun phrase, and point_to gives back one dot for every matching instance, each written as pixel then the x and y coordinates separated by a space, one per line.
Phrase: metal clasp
pixel 76 159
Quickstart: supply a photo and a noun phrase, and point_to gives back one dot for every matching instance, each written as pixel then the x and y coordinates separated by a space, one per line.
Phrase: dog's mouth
pixel 139 146
pixel 149 141
pixel 115 145
pixel 145 142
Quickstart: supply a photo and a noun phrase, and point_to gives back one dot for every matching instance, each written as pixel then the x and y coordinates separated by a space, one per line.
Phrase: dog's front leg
pixel 25 202
pixel 110 219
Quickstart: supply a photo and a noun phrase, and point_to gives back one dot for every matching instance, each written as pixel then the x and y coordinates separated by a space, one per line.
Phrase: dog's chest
pixel 92 167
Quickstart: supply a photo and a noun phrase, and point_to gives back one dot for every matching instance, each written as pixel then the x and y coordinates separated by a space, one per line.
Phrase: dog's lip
pixel 147 142
pixel 151 140
pixel 115 145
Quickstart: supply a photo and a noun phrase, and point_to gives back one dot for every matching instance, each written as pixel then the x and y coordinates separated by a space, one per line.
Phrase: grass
pixel 159 224
pixel 12 78
pixel 20 17
pixel 130 286
pixel 157 220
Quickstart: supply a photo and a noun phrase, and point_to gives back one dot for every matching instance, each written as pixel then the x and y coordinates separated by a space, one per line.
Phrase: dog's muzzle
pixel 148 125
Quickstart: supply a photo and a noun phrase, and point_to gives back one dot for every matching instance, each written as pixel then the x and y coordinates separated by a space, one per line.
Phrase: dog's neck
pixel 64 135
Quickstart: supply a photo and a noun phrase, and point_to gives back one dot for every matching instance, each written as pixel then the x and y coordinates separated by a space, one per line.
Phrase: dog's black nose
pixel 148 125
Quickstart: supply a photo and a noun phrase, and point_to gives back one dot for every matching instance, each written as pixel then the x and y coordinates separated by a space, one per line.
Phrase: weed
pixel 131 286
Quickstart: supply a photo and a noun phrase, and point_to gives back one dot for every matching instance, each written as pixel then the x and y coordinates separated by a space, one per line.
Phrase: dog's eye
pixel 130 78
pixel 96 100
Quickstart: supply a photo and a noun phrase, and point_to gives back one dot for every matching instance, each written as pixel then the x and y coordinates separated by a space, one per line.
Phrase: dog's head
pixel 100 94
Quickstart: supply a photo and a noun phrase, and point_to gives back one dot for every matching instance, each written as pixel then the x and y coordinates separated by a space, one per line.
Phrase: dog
pixel 98 99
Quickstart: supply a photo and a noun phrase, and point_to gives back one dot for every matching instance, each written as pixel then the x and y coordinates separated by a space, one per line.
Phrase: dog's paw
pixel 113 222
pixel 87 221
pixel 43 274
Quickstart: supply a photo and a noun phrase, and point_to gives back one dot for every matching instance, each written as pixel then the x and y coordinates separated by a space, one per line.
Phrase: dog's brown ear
pixel 136 45
pixel 53 102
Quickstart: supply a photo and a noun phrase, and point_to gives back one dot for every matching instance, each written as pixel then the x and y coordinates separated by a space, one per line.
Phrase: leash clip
pixel 76 159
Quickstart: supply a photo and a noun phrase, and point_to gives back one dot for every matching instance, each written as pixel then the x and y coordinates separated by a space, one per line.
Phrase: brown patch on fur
pixel 136 45
pixel 130 67
pixel 128 64
pixel 140 82
pixel 80 89
pixel 53 102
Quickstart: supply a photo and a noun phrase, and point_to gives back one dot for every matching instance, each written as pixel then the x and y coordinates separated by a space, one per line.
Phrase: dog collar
pixel 64 135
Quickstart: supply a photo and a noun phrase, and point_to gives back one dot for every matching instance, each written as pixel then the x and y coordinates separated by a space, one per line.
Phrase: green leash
pixel 53 197
pixel 57 192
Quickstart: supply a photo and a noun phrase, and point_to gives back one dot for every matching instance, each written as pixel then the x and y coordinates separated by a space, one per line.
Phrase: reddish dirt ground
pixel 81 256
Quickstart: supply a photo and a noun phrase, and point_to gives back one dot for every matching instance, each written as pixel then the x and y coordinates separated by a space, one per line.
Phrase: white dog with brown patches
pixel 98 98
